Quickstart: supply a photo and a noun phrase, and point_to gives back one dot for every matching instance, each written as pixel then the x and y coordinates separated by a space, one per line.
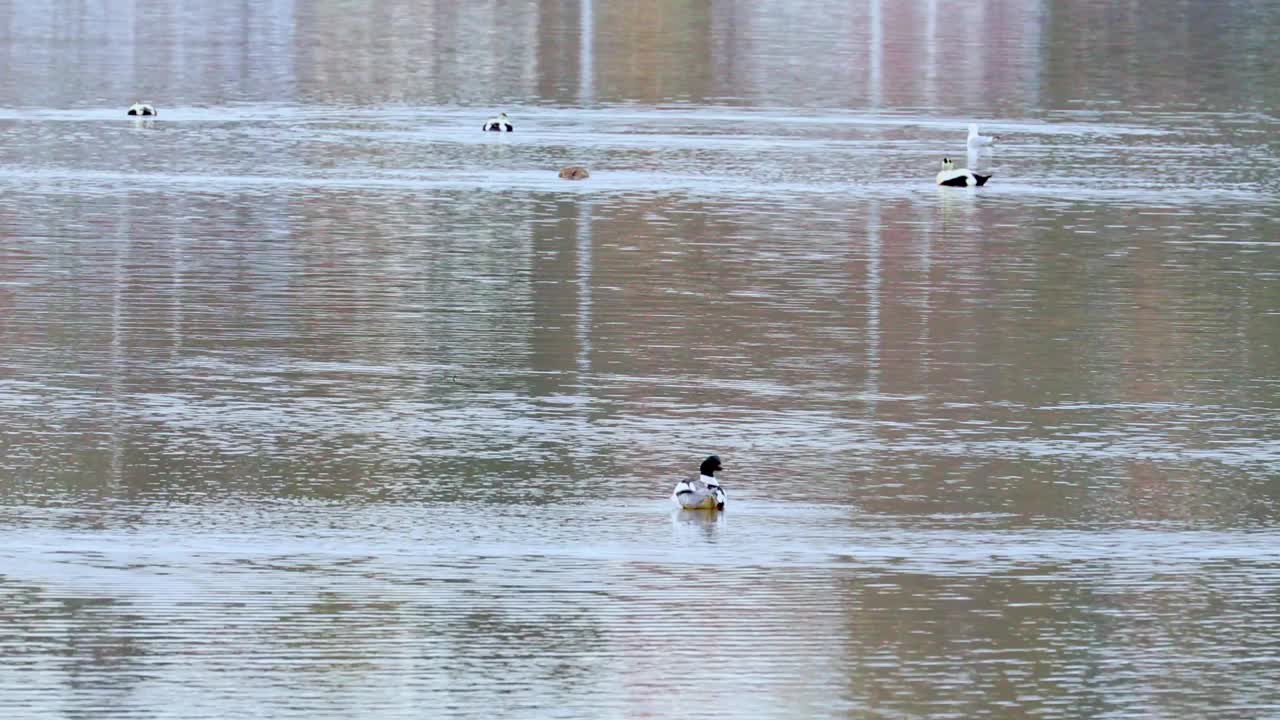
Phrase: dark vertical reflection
pixel 560 51
pixel 558 298
pixel 101 668
pixel 653 52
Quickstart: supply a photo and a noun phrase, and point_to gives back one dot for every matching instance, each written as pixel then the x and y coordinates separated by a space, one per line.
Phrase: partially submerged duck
pixel 704 493
pixel 574 173
pixel 142 109
pixel 976 140
pixel 498 123
pixel 952 177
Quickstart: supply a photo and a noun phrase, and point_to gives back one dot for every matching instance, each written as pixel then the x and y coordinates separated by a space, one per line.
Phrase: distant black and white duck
pixel 704 493
pixel 498 123
pixel 139 108
pixel 952 177
pixel 976 140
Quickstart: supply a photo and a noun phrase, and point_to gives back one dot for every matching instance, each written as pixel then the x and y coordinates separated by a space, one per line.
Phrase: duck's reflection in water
pixel 691 526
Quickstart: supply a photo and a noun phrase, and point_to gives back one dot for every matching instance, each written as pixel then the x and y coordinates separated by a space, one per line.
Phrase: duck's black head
pixel 710 466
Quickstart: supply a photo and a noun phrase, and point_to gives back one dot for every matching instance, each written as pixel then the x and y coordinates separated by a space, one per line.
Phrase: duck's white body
pixel 704 493
pixel 498 123
pixel 142 109
pixel 953 177
pixel 976 140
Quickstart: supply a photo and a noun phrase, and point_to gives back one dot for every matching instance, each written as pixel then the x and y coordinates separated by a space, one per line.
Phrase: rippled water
pixel 316 401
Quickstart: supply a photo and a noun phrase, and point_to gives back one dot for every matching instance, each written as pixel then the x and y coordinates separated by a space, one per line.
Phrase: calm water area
pixel 318 402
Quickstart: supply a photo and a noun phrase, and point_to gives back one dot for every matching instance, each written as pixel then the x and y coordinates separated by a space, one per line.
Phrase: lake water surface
pixel 318 402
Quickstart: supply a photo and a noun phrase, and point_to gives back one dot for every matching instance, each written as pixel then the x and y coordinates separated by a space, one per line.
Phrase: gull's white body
pixel 977 140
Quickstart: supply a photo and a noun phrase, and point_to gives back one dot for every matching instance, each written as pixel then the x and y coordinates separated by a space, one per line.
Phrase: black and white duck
pixel 952 177
pixel 498 123
pixel 703 493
